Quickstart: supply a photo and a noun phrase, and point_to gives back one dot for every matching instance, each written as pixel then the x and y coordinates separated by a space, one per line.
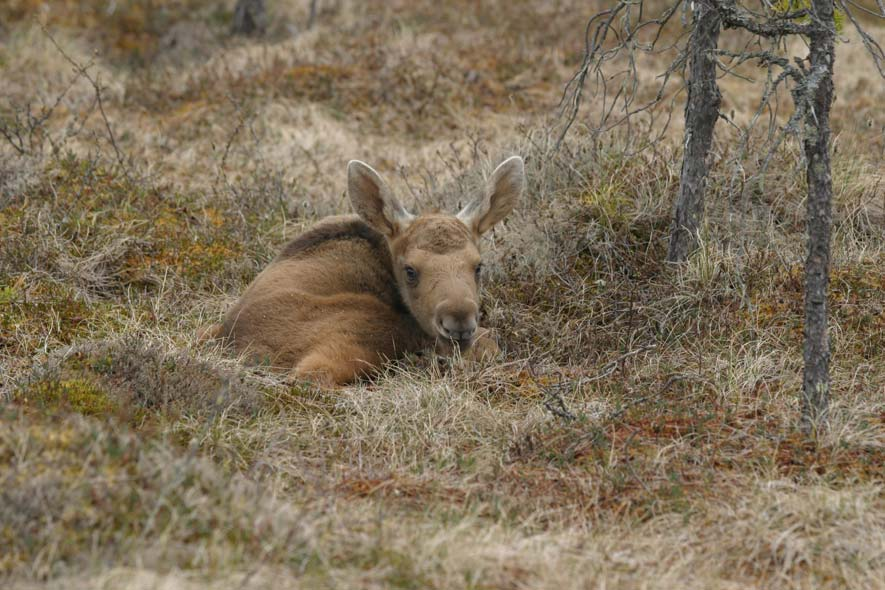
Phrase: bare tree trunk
pixel 701 113
pixel 250 18
pixel 816 379
pixel 312 14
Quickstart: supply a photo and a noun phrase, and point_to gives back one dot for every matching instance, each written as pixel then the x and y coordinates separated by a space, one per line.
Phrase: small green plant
pixel 7 295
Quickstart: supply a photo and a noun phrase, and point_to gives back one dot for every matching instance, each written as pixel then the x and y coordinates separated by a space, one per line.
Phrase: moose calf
pixel 358 289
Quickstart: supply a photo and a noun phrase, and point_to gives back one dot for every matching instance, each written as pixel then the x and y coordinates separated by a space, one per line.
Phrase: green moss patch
pixel 76 395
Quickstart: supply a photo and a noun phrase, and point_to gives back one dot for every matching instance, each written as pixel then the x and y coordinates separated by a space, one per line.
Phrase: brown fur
pixel 339 299
pixel 438 233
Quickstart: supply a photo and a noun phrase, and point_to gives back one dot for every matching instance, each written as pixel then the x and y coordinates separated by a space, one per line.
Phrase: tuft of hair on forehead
pixel 438 234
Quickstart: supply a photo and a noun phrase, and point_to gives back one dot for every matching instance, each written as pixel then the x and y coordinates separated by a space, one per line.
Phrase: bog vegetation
pixel 641 427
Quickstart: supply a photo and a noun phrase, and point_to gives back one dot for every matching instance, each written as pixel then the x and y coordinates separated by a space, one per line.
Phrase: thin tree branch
pixel 872 46
pixel 601 28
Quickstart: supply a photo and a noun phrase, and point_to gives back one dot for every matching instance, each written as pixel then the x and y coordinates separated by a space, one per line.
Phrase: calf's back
pixel 336 277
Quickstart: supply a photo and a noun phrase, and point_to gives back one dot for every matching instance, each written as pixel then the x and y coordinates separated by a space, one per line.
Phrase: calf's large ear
pixel 373 200
pixel 505 188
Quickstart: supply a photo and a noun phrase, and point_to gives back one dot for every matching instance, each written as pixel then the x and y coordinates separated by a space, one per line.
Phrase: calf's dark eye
pixel 411 275
pixel 478 271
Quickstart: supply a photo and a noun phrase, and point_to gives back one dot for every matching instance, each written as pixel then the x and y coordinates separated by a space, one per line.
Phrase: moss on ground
pixel 75 395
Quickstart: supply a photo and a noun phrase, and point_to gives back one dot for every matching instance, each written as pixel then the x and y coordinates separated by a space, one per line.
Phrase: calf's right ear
pixel 373 200
pixel 504 190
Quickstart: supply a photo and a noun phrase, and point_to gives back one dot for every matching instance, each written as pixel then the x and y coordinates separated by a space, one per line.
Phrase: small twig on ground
pixel 553 400
pixel 609 368
pixel 640 400
pixel 556 405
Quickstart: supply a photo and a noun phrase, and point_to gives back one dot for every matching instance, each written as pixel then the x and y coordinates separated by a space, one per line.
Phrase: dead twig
pixel 624 24
pixel 83 70
pixel 553 400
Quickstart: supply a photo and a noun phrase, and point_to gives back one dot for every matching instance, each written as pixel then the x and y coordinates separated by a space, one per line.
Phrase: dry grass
pixel 133 457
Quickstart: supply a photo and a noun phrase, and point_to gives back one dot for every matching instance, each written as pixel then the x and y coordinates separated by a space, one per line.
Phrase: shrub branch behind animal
pixel 356 290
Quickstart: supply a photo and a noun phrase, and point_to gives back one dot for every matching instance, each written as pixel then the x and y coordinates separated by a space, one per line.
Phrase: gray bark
pixel 312 14
pixel 816 378
pixel 250 18
pixel 701 113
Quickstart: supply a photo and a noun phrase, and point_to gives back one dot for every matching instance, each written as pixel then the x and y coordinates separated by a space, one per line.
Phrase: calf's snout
pixel 457 321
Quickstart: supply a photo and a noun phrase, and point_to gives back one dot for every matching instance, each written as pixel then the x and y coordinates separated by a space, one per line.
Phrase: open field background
pixel 132 457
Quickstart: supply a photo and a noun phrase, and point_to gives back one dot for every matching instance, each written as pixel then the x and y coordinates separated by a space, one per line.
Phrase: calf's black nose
pixel 457 324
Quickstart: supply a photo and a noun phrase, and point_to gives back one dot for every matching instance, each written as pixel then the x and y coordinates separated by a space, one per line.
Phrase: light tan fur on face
pixel 446 256
pixel 356 290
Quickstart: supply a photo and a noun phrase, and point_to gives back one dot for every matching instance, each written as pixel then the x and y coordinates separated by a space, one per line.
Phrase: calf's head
pixel 436 257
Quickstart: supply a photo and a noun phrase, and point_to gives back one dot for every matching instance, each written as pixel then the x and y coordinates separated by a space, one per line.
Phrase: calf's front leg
pixel 485 346
pixel 336 364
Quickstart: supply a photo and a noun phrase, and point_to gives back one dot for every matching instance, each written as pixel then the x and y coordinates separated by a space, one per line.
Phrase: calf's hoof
pixel 485 347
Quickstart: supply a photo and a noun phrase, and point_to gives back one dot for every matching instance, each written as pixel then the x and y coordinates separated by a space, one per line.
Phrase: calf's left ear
pixel 499 199
pixel 373 200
